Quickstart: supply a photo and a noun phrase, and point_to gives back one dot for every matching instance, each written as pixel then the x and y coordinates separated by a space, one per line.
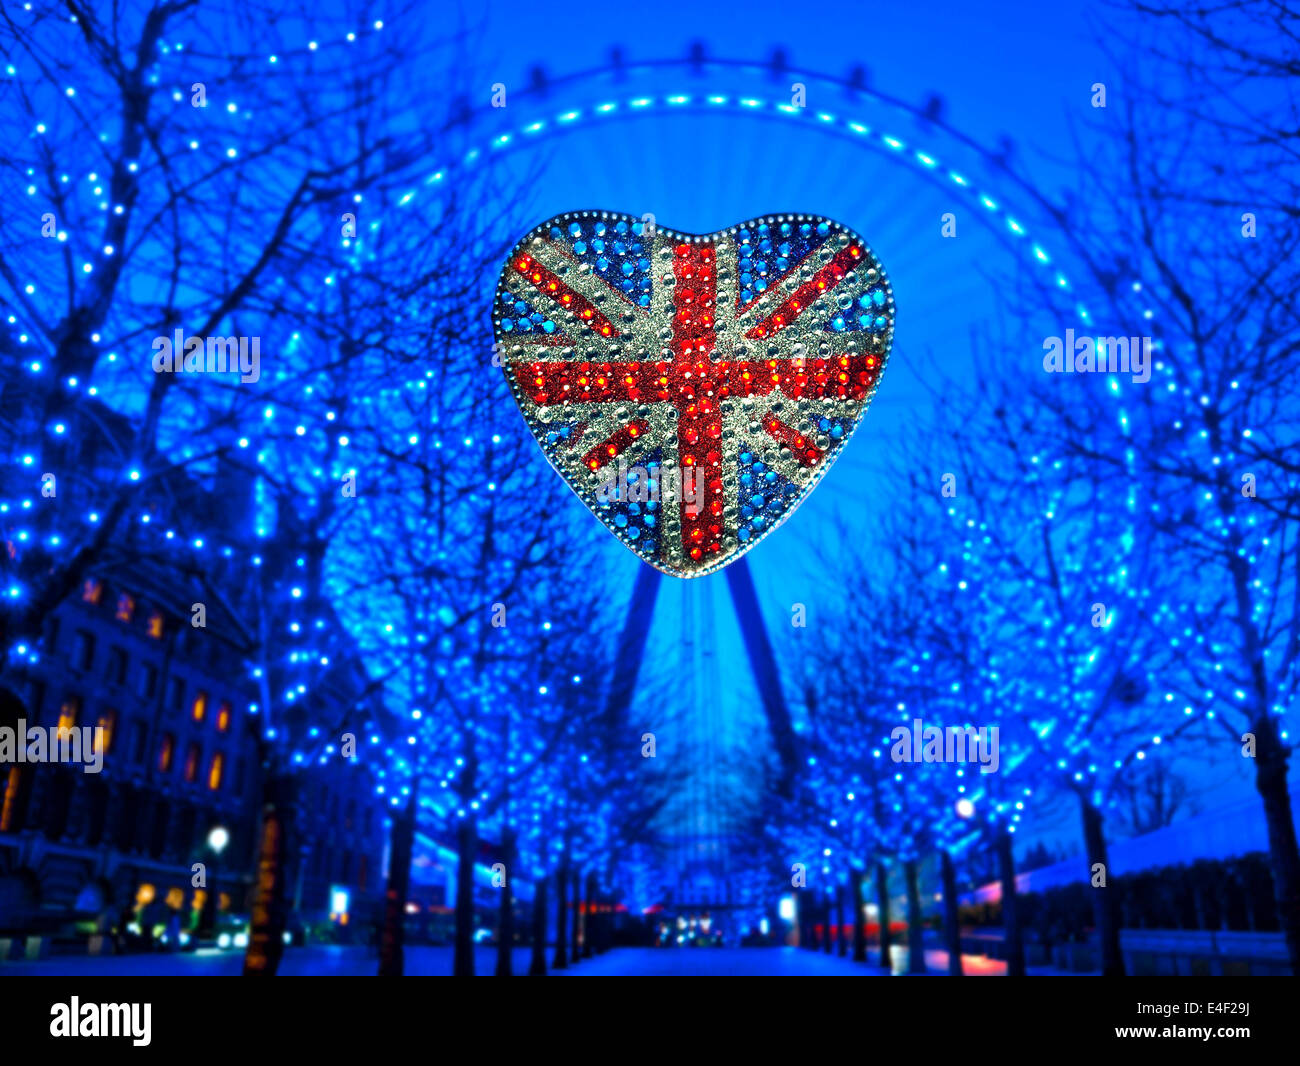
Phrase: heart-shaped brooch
pixel 692 390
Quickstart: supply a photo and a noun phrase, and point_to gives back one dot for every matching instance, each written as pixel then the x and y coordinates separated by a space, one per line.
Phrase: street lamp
pixel 218 838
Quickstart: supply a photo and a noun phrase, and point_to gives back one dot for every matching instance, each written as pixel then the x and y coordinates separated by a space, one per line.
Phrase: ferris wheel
pixel 699 143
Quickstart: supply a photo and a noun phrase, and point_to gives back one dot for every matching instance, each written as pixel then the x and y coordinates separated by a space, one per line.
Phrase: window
pixel 83 651
pixel 116 670
pixel 125 607
pixel 165 753
pixel 192 761
pixel 68 715
pixel 176 694
pixel 200 707
pixel 157 625
pixel 148 680
pixel 223 717
pixel 107 722
pixel 139 738
pixel 92 591
pixel 214 771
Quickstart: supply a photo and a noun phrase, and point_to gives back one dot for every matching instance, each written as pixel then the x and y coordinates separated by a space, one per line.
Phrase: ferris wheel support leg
pixel 631 644
pixel 763 663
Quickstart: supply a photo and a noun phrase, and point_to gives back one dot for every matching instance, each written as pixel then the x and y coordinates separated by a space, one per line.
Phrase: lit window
pixel 200 708
pixel 11 799
pixel 155 625
pixel 223 717
pixel 214 771
pixel 106 722
pixel 68 716
pixel 191 761
pixel 92 590
pixel 125 608
pixel 165 753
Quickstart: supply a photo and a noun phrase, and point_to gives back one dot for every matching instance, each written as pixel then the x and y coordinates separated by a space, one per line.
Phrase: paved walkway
pixel 331 961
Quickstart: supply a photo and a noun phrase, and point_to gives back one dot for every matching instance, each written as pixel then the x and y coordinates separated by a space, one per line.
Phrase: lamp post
pixel 218 838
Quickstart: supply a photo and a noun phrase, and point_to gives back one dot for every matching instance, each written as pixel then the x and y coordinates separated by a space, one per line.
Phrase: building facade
pixel 180 758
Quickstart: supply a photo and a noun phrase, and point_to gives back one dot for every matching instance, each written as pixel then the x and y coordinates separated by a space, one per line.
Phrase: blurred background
pixel 371 685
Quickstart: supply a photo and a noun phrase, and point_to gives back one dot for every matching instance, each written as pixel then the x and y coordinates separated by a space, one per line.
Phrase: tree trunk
pixel 401 840
pixel 561 959
pixel 841 945
pixel 915 931
pixel 588 924
pixel 506 913
pixel 882 901
pixel 537 968
pixel 1103 899
pixel 466 852
pixel 859 933
pixel 266 935
pixel 1014 943
pixel 576 943
pixel 1284 856
pixel 951 926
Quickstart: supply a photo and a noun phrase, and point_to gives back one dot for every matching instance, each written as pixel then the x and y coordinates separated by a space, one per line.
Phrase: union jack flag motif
pixel 692 390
